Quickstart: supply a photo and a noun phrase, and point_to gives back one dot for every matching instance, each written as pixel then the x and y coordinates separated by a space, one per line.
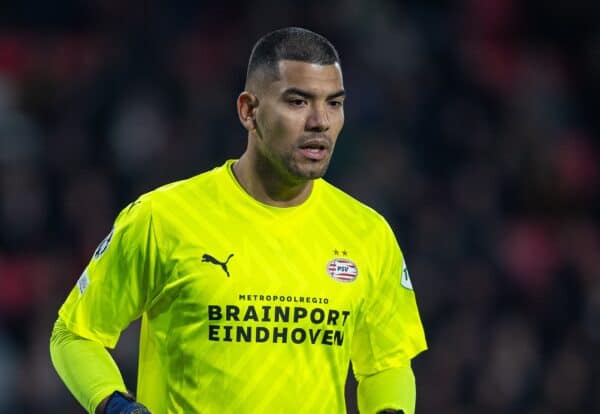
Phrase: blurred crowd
pixel 471 125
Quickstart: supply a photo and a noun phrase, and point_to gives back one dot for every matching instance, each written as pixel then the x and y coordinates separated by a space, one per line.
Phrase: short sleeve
pixel 121 279
pixel 389 333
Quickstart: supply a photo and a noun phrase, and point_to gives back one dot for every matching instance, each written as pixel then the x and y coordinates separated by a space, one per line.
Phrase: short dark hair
pixel 291 43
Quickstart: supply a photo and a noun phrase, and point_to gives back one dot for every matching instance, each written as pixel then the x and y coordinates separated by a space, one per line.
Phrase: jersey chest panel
pixel 252 285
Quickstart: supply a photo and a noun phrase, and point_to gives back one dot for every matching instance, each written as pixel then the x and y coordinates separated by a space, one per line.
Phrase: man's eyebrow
pixel 337 94
pixel 308 95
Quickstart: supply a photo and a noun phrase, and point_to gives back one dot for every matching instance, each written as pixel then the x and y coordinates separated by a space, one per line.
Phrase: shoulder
pixel 168 211
pixel 173 201
pixel 193 190
pixel 351 209
pixel 189 187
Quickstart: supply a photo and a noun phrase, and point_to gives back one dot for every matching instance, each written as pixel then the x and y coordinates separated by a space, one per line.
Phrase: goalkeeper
pixel 256 282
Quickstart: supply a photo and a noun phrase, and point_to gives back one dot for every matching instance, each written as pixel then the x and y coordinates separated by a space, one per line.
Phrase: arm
pixel 85 366
pixel 114 289
pixel 389 333
pixel 388 391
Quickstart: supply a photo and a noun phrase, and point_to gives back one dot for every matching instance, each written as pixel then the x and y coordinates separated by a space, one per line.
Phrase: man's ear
pixel 247 103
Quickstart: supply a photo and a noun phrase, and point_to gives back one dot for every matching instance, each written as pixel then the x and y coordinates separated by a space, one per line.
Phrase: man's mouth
pixel 315 149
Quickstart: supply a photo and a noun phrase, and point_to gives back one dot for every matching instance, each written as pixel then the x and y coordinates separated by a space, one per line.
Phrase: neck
pixel 264 184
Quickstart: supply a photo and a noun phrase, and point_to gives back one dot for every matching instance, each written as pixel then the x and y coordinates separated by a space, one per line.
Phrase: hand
pixel 122 404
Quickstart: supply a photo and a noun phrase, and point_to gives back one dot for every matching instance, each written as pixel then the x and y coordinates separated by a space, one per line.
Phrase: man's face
pixel 298 119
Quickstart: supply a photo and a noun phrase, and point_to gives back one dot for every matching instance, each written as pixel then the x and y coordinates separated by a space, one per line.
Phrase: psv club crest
pixel 342 270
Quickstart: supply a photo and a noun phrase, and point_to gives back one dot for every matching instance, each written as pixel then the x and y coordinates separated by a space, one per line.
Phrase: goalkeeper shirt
pixel 248 307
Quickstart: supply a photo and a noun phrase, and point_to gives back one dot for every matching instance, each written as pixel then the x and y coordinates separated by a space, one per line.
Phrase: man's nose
pixel 318 120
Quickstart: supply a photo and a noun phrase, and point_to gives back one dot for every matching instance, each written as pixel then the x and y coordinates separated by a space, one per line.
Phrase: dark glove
pixel 390 412
pixel 122 404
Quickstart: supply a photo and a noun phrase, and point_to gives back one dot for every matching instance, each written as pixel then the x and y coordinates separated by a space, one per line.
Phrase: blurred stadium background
pixel 472 125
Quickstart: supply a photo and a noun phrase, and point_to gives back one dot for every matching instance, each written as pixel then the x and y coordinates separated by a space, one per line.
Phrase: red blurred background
pixel 471 125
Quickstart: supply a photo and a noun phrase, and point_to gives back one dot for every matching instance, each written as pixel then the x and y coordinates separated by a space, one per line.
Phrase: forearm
pixel 85 366
pixel 390 389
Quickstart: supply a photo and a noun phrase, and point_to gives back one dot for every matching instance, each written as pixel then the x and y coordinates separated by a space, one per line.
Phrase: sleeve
pixel 390 389
pixel 70 352
pixel 124 275
pixel 389 332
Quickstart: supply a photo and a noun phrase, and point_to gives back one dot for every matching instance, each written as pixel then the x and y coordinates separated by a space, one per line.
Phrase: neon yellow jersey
pixel 249 308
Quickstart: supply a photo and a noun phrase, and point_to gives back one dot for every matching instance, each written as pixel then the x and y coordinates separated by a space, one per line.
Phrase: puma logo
pixel 209 259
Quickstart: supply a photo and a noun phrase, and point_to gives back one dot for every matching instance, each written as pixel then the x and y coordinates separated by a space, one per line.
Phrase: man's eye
pixel 297 102
pixel 336 104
